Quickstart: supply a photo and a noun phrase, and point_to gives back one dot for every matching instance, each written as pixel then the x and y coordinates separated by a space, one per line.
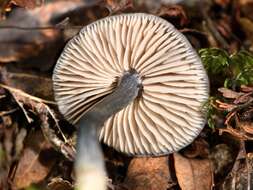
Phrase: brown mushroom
pixel 135 80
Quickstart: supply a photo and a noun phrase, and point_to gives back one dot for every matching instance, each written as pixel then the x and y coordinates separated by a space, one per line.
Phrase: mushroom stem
pixel 89 166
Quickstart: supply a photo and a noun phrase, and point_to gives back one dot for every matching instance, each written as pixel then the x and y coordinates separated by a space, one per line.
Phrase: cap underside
pixel 169 113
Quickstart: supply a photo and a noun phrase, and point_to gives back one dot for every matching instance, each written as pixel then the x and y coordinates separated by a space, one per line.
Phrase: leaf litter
pixel 37 144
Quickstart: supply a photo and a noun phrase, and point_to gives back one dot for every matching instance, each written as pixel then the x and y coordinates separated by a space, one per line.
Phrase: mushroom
pixel 135 82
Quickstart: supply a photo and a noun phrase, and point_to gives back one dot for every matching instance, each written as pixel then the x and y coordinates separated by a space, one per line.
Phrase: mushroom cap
pixel 167 115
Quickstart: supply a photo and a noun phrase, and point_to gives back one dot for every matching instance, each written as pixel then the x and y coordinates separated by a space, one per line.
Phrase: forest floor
pixel 37 144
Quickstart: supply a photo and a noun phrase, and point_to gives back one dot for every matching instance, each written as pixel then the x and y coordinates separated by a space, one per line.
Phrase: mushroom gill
pixel 167 115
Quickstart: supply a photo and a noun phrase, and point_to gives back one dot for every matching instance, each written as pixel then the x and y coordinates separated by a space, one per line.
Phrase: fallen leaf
pixel 225 106
pixel 193 174
pixel 60 184
pixel 29 4
pixel 240 176
pixel 244 17
pixel 6 148
pixel 227 93
pixel 148 174
pixel 118 6
pixel 247 115
pixel 246 126
pixel 17 43
pixel 198 148
pixel 197 38
pixel 222 159
pixel 223 3
pixel 174 14
pixel 31 33
pixel 36 161
pixel 245 88
pixel 28 82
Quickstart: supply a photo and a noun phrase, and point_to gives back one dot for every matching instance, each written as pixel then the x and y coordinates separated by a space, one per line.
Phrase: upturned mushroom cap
pixel 168 113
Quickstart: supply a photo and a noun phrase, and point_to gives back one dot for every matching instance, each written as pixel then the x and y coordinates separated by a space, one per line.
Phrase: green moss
pixel 234 70
pixel 210 112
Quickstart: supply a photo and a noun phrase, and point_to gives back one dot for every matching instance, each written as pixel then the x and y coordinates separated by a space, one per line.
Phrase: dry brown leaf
pixel 30 33
pixel 246 126
pixel 118 6
pixel 193 174
pixel 35 162
pixel 240 176
pixel 28 82
pixel 60 184
pixel 174 14
pixel 222 3
pixel 148 174
pixel 227 93
pixel 244 17
pixel 7 132
pixel 222 157
pixel 245 88
pixel 198 148
pixel 244 2
pixel 246 98
pixel 29 4
pixel 247 115
pixel 17 43
pixel 197 38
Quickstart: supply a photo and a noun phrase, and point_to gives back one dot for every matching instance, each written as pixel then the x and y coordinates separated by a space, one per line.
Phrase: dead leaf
pixel 222 3
pixel 225 106
pixel 118 6
pixel 28 82
pixel 29 4
pixel 198 148
pixel 227 93
pixel 247 115
pixel 245 88
pixel 19 142
pixel 244 17
pixel 241 174
pixel 245 126
pixel 59 184
pixel 30 33
pixel 148 174
pixel 193 174
pixel 197 38
pixel 18 43
pixel 6 148
pixel 36 161
pixel 246 8
pixel 174 14
pixel 246 98
pixel 39 107
pixel 222 157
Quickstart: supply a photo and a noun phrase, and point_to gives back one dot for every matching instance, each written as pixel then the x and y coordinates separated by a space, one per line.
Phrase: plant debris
pixel 37 146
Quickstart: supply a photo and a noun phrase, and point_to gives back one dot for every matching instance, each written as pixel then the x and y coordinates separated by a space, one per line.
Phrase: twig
pixel 24 94
pixel 43 111
pixel 56 123
pixel 23 109
pixel 65 148
pixel 3 113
